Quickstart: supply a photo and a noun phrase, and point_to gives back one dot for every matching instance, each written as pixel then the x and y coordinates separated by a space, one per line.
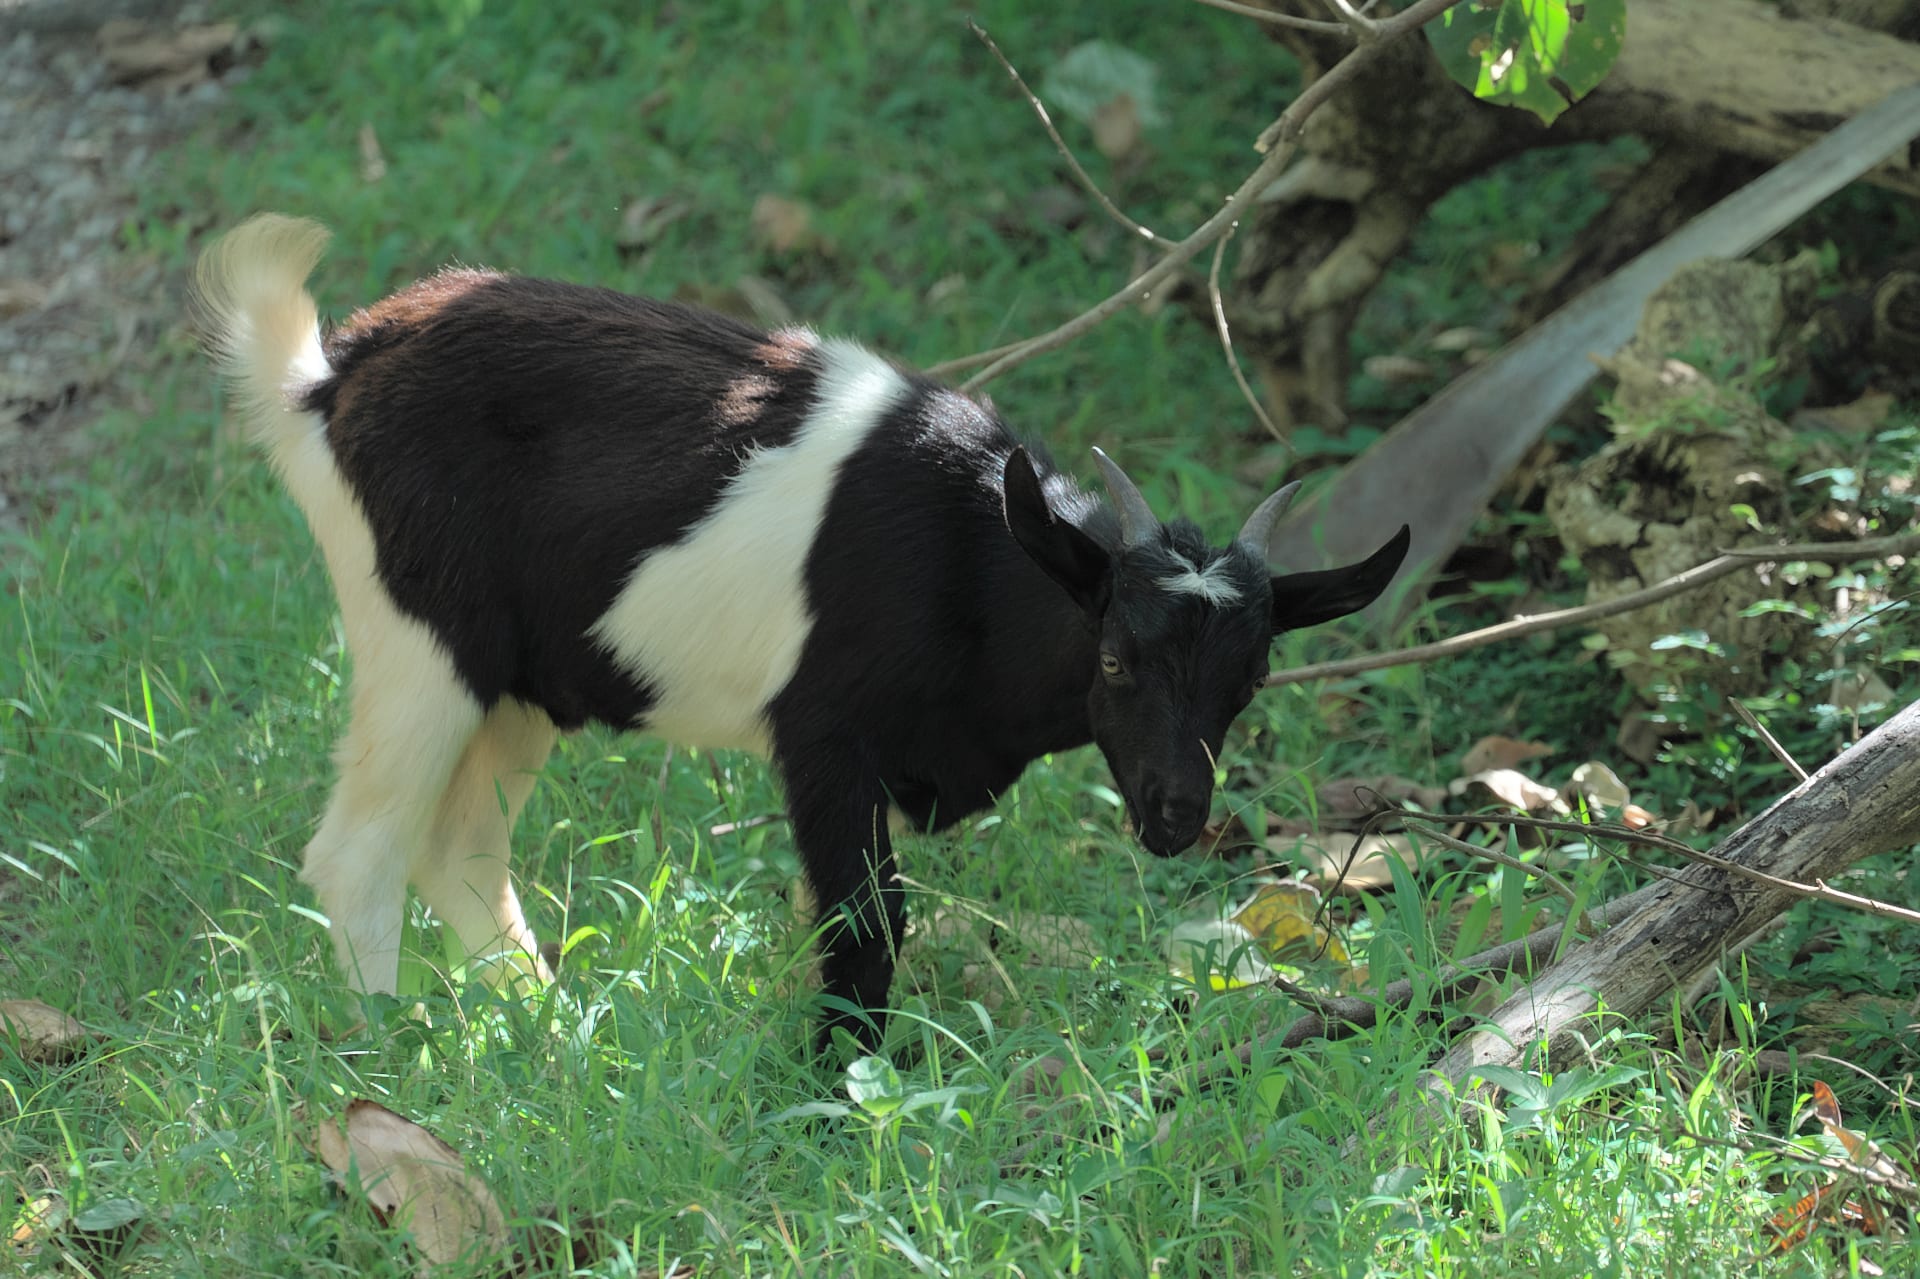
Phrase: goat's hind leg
pixel 461 872
pixel 412 720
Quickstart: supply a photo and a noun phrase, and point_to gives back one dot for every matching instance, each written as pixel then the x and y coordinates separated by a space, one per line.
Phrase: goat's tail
pixel 261 326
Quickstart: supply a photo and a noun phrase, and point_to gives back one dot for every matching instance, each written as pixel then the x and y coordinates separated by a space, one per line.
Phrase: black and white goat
pixel 543 504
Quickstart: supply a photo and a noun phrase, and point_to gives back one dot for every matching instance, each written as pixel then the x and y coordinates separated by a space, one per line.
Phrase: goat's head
pixel 1184 630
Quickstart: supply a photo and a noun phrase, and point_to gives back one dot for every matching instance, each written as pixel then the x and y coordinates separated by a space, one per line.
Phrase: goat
pixel 543 504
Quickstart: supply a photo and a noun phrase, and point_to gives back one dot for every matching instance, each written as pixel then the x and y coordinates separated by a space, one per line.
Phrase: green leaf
pixel 1540 55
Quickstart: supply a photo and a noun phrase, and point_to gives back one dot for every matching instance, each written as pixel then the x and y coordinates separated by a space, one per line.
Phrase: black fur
pixel 518 446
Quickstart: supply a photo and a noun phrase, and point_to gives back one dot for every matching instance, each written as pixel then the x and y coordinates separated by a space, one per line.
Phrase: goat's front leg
pixel 840 828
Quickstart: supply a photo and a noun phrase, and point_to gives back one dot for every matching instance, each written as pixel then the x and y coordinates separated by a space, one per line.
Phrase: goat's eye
pixel 1111 666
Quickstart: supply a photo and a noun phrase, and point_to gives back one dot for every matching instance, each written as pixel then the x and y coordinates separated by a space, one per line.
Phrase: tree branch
pixel 1906 545
pixel 1277 19
pixel 1226 340
pixel 1286 130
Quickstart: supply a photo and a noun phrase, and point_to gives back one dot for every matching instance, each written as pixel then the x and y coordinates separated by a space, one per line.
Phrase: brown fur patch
pixel 419 302
pixel 744 398
pixel 786 350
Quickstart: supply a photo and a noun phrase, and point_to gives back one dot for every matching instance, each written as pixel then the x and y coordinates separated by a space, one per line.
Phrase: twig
pixel 1772 743
pixel 1497 961
pixel 1896 1184
pixel 1060 144
pixel 1287 130
pixel 1546 877
pixel 1818 890
pixel 1727 562
pixel 1226 339
pixel 1363 28
pixel 978 358
pixel 1277 19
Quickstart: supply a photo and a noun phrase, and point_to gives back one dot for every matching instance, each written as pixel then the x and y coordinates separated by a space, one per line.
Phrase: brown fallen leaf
pixel 1331 864
pixel 1117 126
pixel 1638 738
pixel 1600 786
pixel 783 225
pixel 18 297
pixel 1510 787
pixel 44 1034
pixel 643 221
pixel 154 57
pixel 38 1221
pixel 1348 801
pixel 1048 941
pixel 414 1181
pixel 1501 752
pixel 1396 369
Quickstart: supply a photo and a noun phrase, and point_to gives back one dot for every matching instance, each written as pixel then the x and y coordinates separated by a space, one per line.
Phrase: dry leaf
pixel 45 1034
pixel 642 221
pixel 1461 339
pixel 1861 686
pixel 17 297
pixel 1324 859
pixel 1638 738
pixel 139 53
pixel 1510 787
pixel 1393 369
pixel 1116 126
pixel 373 163
pixel 38 1221
pixel 1351 800
pixel 783 225
pixel 1213 942
pixel 1634 817
pixel 415 1181
pixel 1600 786
pixel 1281 918
pixel 1050 941
pixel 1501 752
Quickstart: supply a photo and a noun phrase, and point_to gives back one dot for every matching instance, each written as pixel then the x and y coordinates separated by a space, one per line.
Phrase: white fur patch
pixel 715 624
pixel 1211 583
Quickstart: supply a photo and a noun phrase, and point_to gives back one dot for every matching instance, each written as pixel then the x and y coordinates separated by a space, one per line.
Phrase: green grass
pixel 170 684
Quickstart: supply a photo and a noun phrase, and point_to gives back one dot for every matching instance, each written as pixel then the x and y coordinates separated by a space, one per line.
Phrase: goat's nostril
pixel 1179 814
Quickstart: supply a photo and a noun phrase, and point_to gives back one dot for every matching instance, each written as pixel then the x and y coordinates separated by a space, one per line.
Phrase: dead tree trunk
pixel 1719 86
pixel 1867 801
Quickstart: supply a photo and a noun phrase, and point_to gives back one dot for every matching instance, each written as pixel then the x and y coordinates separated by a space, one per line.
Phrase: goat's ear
pixel 1307 599
pixel 1071 558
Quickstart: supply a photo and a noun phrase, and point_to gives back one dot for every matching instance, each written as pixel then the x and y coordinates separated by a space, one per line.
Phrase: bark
pixel 1730 83
pixel 1865 802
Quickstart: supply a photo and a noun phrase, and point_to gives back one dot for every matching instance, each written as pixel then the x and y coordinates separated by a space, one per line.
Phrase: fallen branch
pixel 1351 1014
pixel 1818 890
pixel 1866 801
pixel 1278 142
pixel 1906 545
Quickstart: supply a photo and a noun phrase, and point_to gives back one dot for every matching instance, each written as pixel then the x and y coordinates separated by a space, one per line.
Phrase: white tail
pixel 260 324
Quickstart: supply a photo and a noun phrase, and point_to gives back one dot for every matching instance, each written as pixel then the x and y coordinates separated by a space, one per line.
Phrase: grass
pixel 170 684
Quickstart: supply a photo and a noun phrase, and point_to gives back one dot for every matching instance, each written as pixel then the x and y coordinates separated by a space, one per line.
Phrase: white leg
pixel 461 870
pixel 412 719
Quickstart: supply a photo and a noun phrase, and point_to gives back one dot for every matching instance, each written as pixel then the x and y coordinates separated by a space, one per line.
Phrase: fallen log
pixel 1864 802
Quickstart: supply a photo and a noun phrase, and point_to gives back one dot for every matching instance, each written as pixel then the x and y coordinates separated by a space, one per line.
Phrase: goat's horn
pixel 1259 526
pixel 1137 521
